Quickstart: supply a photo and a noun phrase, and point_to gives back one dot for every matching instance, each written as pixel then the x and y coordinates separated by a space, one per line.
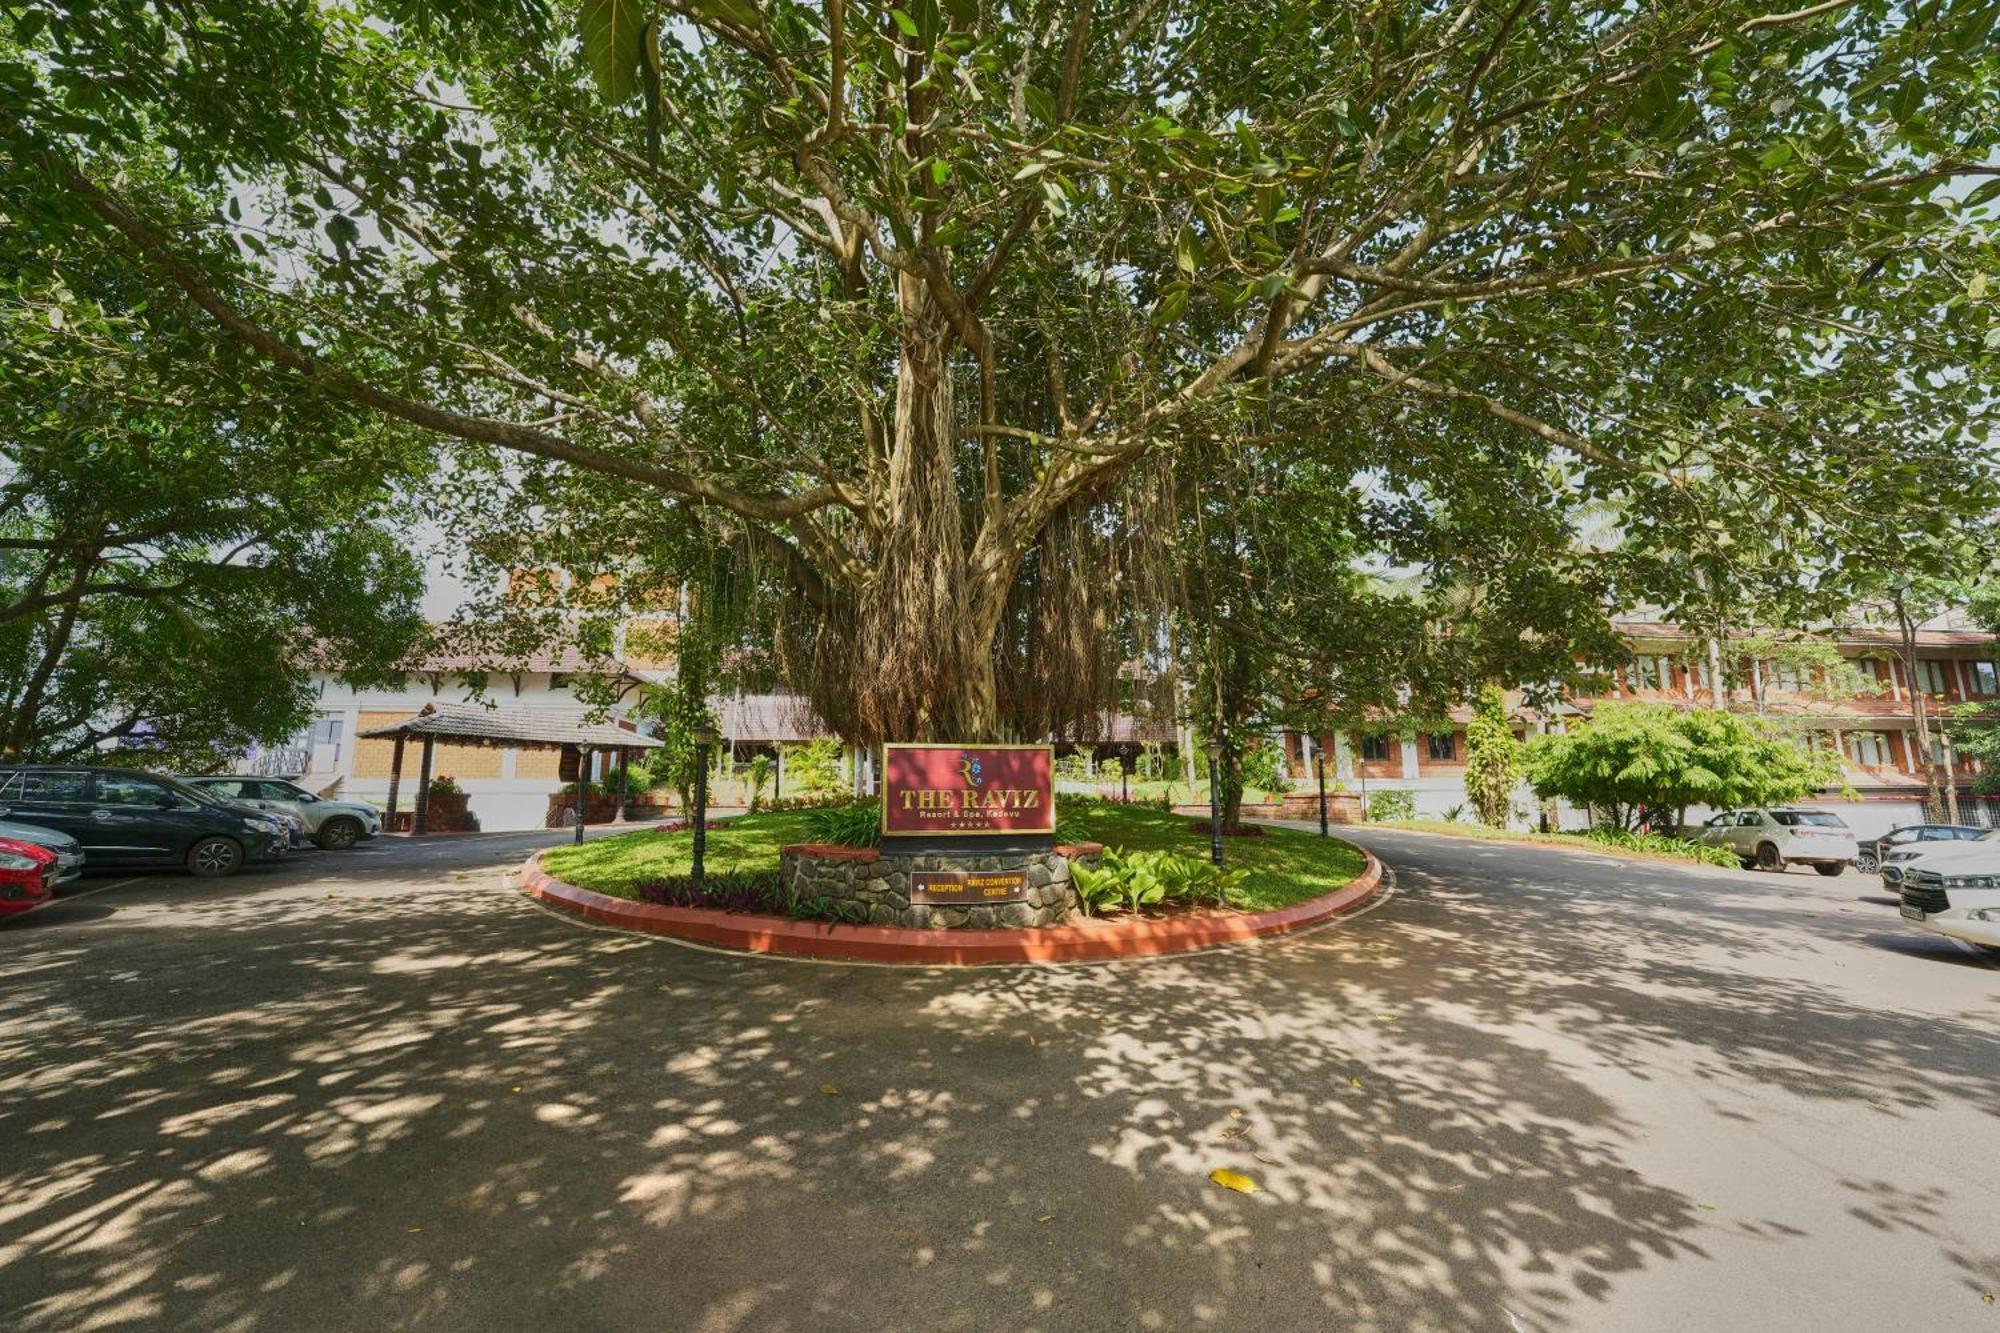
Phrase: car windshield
pixel 188 789
pixel 1816 818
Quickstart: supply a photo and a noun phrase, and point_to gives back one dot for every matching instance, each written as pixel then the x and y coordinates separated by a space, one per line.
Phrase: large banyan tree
pixel 916 302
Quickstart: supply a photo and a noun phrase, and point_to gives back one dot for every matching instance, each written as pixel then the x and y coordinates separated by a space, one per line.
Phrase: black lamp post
pixel 1215 801
pixel 704 740
pixel 1319 762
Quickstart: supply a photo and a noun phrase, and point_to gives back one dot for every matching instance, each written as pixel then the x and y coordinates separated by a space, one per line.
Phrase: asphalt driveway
pixel 1533 1089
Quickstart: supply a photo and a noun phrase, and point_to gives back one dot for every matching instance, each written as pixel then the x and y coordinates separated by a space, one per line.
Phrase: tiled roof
pixel 1944 632
pixel 545 727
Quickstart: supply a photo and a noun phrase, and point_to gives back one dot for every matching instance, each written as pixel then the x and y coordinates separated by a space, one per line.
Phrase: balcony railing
pixel 282 761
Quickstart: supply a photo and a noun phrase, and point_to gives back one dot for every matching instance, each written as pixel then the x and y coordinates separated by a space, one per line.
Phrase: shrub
pixel 1392 805
pixel 1662 845
pixel 814 768
pixel 760 778
pixel 1137 880
pixel 1492 758
pixel 727 891
pixel 853 824
pixel 445 786
pixel 1264 768
pixel 810 802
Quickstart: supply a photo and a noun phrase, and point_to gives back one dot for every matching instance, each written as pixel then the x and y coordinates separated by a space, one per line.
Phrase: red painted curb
pixel 1094 941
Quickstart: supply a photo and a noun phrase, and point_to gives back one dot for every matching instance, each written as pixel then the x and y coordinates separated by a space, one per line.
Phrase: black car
pixel 124 817
pixel 1871 853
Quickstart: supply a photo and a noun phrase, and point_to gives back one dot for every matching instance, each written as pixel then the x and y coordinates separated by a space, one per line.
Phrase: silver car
pixel 334 825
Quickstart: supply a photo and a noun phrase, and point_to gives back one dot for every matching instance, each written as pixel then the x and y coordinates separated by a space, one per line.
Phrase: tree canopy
pixel 183 538
pixel 905 305
pixel 1641 761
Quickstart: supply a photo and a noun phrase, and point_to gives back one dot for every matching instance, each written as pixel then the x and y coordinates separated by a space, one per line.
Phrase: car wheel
pixel 1768 858
pixel 337 835
pixel 215 856
pixel 1866 864
pixel 1830 869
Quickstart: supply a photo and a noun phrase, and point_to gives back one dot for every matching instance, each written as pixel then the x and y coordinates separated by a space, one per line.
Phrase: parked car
pixel 1772 839
pixel 68 851
pixel 124 817
pixel 1955 891
pixel 1898 862
pixel 1871 851
pixel 27 875
pixel 334 825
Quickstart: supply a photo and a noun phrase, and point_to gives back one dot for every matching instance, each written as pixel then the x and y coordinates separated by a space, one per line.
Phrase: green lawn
pixel 1286 866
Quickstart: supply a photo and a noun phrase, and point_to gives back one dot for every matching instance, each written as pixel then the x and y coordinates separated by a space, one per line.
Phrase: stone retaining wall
pixel 880 881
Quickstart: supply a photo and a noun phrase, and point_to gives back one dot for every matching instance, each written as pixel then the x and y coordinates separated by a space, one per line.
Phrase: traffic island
pixel 1079 939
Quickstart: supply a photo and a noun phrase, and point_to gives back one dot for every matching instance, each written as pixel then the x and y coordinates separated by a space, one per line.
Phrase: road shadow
pixel 449 1110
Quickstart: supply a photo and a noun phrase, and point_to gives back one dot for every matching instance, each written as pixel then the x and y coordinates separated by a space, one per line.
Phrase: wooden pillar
pixel 395 781
pixel 420 818
pixel 624 770
pixel 582 798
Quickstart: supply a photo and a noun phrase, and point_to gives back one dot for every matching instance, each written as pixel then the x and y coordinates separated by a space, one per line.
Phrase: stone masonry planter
pixel 880 881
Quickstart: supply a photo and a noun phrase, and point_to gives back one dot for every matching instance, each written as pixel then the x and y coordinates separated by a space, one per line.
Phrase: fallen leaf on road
pixel 1235 1113
pixel 1046 1217
pixel 828 1090
pixel 1233 1180
pixel 413 1230
pixel 1267 1161
pixel 1706 1207
pixel 1355 1081
pixel 1987 1296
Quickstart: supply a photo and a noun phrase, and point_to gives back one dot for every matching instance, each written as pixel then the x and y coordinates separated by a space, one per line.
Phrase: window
pixel 146 792
pixel 1930 676
pixel 1375 749
pixel 44 787
pixel 1788 677
pixel 1808 819
pixel 559 680
pixel 1749 819
pixel 284 791
pixel 1443 748
pixel 232 790
pixel 1985 677
pixel 1651 673
pixel 1867 749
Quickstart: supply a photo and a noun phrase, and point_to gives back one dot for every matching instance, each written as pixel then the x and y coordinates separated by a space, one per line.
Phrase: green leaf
pixel 940 171
pixel 904 22
pixel 611 31
pixel 1031 170
pixel 650 80
pixel 738 12
pixel 1984 194
pixel 1187 251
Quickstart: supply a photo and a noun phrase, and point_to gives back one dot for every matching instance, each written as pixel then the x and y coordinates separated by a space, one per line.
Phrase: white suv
pixel 1956 892
pixel 1776 838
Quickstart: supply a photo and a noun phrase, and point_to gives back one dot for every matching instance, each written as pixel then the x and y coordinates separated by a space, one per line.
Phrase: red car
pixel 27 875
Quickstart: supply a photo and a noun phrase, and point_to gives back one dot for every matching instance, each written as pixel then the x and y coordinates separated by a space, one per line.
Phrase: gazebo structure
pixel 514 728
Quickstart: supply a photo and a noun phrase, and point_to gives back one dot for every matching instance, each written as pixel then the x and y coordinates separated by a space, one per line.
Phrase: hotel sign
pixel 931 791
pixel 967 888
